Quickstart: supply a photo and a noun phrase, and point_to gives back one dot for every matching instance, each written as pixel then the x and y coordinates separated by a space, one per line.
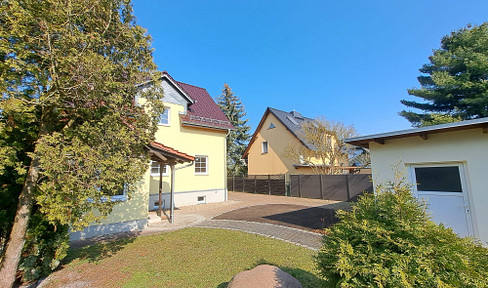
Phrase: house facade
pixel 276 131
pixel 192 128
pixel 445 165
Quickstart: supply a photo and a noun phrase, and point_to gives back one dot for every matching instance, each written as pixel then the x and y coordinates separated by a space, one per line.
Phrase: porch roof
pixel 162 153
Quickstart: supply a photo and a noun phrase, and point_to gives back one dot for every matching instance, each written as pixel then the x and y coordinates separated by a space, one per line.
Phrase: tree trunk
pixel 16 241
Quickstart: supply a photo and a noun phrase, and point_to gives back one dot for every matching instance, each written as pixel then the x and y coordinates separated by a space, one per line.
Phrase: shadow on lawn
pixel 307 279
pixel 95 250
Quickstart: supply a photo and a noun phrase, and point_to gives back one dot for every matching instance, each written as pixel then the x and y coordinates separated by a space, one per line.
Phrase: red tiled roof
pixel 171 152
pixel 204 112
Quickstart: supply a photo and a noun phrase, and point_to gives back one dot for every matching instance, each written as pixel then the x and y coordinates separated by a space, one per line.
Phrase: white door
pixel 443 187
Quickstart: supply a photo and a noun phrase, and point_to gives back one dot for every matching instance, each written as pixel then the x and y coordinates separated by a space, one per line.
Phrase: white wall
pixel 469 147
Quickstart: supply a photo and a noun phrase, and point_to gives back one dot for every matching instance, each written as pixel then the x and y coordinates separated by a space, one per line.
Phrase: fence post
pixel 321 190
pixel 233 183
pixel 284 183
pixel 243 184
pixel 255 185
pixel 347 185
pixel 299 186
pixel 269 184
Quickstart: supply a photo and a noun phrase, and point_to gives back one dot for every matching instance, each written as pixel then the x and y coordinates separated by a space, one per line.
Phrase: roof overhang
pixel 172 82
pixel 423 132
pixel 165 154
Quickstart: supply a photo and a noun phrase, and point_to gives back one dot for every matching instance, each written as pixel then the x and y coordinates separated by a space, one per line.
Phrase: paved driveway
pixel 294 220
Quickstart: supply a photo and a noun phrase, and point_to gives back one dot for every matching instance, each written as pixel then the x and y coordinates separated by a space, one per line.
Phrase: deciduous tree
pixel 70 131
pixel 454 86
pixel 330 151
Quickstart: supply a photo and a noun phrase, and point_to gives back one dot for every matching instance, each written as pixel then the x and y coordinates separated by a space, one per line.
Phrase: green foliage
pixel 455 80
pixel 387 240
pixel 238 138
pixel 69 75
pixel 433 119
pixel 46 245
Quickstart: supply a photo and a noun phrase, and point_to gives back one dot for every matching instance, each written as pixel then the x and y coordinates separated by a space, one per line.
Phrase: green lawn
pixel 192 257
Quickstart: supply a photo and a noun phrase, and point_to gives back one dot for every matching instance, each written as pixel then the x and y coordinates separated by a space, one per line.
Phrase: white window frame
pixel 206 165
pixel 465 187
pixel 157 174
pixel 411 171
pixel 263 145
pixel 122 197
pixel 166 109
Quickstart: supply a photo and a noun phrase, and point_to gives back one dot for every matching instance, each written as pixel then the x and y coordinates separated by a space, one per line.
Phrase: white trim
pixel 262 147
pixel 206 165
pixel 462 167
pixel 461 124
pixel 157 174
pixel 166 109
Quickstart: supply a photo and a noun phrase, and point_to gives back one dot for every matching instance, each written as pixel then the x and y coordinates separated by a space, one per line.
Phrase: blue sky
pixel 349 61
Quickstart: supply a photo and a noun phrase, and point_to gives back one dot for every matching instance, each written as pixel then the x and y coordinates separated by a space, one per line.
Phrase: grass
pixel 192 257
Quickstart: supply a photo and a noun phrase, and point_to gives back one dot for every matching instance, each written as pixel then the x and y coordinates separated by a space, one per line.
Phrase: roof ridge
pixel 189 85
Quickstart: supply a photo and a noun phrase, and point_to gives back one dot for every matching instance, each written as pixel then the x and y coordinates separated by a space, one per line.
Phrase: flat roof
pixel 423 132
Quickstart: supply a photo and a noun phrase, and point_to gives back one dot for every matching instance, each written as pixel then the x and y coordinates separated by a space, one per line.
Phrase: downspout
pixel 225 165
pixel 172 200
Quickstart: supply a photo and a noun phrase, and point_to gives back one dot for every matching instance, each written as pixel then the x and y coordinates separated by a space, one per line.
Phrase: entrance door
pixel 443 187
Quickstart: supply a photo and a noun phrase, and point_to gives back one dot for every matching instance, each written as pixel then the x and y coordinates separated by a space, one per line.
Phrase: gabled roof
pixel 204 111
pixel 423 132
pixel 292 122
pixel 171 154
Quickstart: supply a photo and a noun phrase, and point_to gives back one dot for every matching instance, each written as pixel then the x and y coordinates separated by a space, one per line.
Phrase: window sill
pixel 201 174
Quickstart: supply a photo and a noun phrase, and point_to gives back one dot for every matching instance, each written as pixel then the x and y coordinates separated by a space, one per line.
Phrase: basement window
pixel 201 199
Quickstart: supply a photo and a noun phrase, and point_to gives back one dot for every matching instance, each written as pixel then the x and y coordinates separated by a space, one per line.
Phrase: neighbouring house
pixel 277 130
pixel 446 165
pixel 191 137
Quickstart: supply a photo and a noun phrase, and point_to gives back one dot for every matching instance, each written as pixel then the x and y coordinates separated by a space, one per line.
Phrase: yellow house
pixel 276 131
pixel 192 128
pixel 446 165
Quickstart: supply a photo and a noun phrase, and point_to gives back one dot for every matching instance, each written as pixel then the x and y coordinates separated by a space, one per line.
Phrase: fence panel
pixel 331 187
pixel 260 184
pixel 334 187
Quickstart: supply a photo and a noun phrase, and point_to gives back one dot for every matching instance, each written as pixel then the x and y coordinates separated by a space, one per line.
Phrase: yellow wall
pixel 134 208
pixel 193 141
pixel 469 147
pixel 273 162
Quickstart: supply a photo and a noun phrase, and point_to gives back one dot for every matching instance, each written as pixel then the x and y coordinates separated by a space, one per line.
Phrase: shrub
pixel 388 240
pixel 45 246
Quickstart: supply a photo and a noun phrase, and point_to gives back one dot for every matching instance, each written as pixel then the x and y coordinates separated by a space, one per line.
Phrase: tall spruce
pixel 455 85
pixel 238 138
pixel 71 134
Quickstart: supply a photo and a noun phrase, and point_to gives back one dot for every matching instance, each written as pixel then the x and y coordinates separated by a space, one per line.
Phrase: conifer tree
pixel 238 138
pixel 454 87
pixel 70 132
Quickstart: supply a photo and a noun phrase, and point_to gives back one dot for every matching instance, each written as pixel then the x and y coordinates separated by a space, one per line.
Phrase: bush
pixel 45 246
pixel 388 240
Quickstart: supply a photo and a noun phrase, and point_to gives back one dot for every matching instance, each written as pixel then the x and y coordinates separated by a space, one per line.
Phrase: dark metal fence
pixel 259 184
pixel 331 187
